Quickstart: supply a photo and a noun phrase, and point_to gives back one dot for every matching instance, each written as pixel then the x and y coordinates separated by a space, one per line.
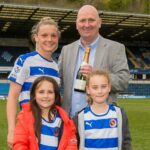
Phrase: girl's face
pixel 47 38
pixel 98 89
pixel 45 95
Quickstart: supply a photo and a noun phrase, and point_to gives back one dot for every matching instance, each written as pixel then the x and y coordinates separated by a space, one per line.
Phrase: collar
pixel 92 45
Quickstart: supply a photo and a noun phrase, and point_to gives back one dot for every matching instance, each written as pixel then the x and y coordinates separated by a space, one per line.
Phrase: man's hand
pixel 85 69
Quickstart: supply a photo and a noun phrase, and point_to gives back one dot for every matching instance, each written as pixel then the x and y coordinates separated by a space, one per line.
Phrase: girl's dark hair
pixel 36 109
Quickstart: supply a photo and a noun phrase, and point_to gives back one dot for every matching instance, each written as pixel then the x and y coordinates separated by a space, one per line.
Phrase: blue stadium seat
pixel 8 54
pixel 4 88
pixel 139 89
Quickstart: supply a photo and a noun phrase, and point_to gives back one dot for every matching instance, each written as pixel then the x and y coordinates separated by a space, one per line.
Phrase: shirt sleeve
pixel 19 71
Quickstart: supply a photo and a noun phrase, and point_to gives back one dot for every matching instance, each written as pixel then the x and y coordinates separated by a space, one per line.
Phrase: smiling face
pixel 46 39
pixel 45 95
pixel 88 23
pixel 98 89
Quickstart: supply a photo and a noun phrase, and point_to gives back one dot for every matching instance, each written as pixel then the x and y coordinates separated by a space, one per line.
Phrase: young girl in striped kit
pixel 102 126
pixel 43 124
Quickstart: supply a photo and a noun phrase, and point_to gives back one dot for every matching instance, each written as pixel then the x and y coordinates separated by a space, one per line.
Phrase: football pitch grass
pixel 138 111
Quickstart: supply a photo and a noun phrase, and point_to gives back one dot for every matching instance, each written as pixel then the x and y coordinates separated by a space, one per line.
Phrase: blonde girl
pixel 101 125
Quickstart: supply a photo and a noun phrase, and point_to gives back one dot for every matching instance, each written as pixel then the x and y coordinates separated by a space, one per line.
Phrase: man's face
pixel 88 24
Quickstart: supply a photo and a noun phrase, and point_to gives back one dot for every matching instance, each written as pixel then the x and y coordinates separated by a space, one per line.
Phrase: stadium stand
pixel 140 57
pixel 139 89
pixel 8 54
pixel 139 64
pixel 139 84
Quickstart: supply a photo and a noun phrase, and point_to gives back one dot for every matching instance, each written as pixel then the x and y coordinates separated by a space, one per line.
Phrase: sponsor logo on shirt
pixel 89 124
pixel 17 69
pixel 41 70
pixel 21 60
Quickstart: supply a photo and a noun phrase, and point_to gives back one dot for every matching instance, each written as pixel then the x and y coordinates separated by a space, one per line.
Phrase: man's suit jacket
pixel 110 55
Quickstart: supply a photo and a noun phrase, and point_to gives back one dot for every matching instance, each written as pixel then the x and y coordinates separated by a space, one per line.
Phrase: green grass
pixel 3 126
pixel 138 112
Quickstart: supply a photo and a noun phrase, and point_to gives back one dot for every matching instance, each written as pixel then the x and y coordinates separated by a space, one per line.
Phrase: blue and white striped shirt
pixel 101 130
pixel 27 68
pixel 49 134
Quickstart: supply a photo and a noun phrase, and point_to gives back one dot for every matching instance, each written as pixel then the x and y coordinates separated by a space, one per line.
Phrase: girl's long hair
pixel 36 109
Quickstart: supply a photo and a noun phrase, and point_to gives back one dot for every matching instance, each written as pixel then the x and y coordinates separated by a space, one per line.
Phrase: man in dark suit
pixel 104 54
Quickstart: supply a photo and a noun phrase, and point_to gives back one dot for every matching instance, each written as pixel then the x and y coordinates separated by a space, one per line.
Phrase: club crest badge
pixel 56 132
pixel 113 123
